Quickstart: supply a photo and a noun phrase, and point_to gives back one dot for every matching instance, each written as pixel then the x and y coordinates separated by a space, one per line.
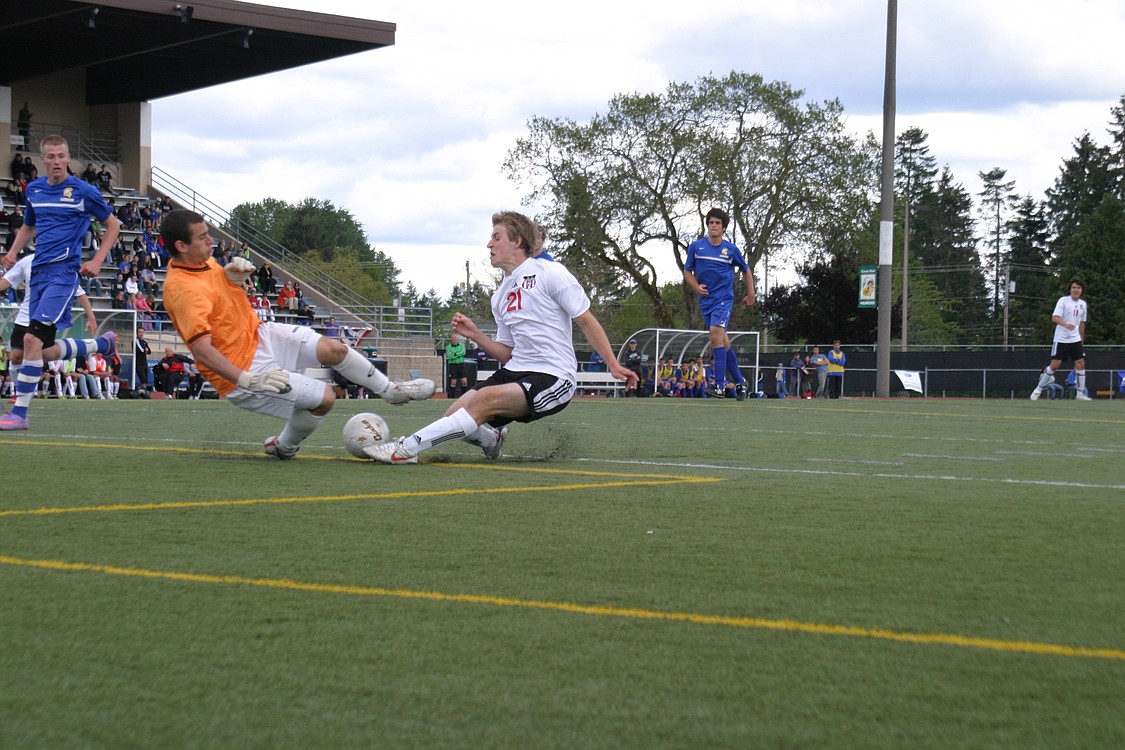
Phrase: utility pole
pixel 886 212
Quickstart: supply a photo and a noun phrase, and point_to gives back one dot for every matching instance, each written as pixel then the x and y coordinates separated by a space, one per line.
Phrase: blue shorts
pixel 52 288
pixel 716 314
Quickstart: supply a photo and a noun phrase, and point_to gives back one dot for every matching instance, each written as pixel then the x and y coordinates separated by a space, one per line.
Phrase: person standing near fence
pixel 1069 318
pixel 820 362
pixel 836 361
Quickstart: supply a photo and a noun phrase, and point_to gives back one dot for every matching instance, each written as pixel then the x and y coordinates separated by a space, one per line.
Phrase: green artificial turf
pixel 635 573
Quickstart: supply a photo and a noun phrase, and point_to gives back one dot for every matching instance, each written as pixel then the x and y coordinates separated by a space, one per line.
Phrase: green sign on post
pixel 868 276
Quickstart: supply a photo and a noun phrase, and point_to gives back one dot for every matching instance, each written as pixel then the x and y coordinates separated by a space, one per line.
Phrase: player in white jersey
pixel 20 274
pixel 1069 318
pixel 534 308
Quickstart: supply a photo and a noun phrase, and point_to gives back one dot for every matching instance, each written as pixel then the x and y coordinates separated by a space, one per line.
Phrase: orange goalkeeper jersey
pixel 201 302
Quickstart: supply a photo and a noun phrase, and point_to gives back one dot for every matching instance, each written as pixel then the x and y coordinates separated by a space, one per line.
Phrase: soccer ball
pixel 364 430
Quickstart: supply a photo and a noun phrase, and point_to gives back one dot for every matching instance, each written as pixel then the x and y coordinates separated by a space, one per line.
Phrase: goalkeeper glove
pixel 239 270
pixel 267 381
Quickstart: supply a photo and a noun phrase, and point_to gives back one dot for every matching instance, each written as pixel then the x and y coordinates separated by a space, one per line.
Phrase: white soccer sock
pixel 358 370
pixel 1080 380
pixel 485 437
pixel 456 426
pixel 1046 378
pixel 300 426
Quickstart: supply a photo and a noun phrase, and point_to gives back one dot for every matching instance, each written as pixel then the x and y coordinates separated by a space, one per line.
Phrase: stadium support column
pixel 886 213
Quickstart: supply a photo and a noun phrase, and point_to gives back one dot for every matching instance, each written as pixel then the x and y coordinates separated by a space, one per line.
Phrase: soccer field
pixel 637 573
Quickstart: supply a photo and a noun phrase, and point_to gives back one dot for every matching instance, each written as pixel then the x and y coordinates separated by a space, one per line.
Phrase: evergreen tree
pixel 1083 182
pixel 998 198
pixel 946 246
pixel 1033 280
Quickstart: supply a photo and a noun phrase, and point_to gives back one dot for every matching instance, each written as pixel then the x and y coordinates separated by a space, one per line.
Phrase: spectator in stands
pixel 263 308
pixel 141 350
pixel 306 315
pixel 287 298
pixel 159 316
pixel 165 205
pixel 148 281
pixel 105 180
pixel 17 165
pixel 267 284
pixel 332 329
pixel 18 190
pixel 23 122
pixel 144 310
pixel 155 250
pixel 596 363
pixel 29 170
pixel 14 221
pixel 132 288
pixel 117 286
pixel 300 294
pixel 244 251
pixel 90 175
pixel 220 250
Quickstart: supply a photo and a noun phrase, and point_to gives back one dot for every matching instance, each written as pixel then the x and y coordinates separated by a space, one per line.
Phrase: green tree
pixel 1096 254
pixel 329 238
pixel 1082 183
pixel 945 244
pixel 1032 280
pixel 997 201
pixel 639 179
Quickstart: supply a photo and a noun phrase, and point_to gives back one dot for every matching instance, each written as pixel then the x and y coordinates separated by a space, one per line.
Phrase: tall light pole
pixel 906 269
pixel 886 212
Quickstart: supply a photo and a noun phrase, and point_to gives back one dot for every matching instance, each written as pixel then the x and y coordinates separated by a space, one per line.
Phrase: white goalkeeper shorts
pixel 290 348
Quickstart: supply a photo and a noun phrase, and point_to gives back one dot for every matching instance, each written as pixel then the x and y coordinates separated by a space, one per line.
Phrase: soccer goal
pixel 678 343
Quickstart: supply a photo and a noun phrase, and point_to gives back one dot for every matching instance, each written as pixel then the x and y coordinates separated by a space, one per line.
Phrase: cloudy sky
pixel 410 138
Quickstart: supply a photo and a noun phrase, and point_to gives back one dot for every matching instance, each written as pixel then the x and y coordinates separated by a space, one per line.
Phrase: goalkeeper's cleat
pixel 715 392
pixel 111 340
pixel 495 451
pixel 740 391
pixel 390 453
pixel 273 448
pixel 418 389
pixel 1081 396
pixel 1035 394
pixel 11 422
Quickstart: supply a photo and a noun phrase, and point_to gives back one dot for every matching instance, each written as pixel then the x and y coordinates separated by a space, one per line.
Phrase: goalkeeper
pixel 254 364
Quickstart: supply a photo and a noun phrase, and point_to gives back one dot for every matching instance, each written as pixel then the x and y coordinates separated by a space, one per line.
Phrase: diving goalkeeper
pixel 254 364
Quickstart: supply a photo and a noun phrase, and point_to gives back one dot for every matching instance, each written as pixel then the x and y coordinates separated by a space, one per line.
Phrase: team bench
pixel 598 383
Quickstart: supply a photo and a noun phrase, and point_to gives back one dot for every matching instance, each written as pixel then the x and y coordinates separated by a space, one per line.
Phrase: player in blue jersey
pixel 57 215
pixel 710 270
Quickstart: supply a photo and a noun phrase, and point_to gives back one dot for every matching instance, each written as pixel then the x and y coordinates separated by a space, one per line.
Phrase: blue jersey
pixel 713 266
pixel 61 216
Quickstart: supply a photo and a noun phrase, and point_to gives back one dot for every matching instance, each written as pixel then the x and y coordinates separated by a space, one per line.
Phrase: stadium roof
pixel 139 50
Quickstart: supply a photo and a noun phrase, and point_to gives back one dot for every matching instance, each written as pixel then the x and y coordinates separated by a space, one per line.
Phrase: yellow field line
pixel 118 507
pixel 943 639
